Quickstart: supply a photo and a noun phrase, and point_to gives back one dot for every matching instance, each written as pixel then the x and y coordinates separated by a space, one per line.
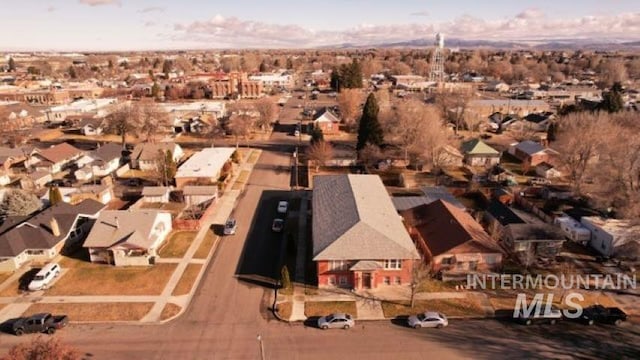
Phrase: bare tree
pixel 240 126
pixel 370 155
pixel 400 68
pixel 349 101
pixel 19 203
pixel 125 120
pixel 320 152
pixel 407 126
pixel 611 72
pixel 153 120
pixel 267 109
pixel 420 272
pixel 453 106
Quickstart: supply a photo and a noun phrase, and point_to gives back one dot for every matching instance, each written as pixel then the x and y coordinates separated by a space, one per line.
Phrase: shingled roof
pixel 354 219
pixel 59 153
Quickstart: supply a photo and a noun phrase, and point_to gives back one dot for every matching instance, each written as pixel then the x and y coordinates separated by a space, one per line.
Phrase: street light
pixel 259 337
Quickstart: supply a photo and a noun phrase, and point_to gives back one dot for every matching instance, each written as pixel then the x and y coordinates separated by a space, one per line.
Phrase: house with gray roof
pixel 431 194
pixel 359 240
pixel 101 162
pixel 532 152
pixel 125 238
pixel 42 236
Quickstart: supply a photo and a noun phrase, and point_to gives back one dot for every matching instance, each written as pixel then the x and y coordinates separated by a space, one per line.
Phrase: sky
pixel 107 25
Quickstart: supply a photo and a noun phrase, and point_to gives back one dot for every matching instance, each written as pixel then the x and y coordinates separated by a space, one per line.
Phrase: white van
pixel 44 277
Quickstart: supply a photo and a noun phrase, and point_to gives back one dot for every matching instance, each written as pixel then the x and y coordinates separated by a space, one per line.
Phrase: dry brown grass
pixel 170 310
pixel 187 280
pixel 94 311
pixel 241 180
pixel 322 308
pixel 205 245
pixel 284 310
pixel 255 155
pixel 99 279
pixel 177 244
pixel 449 307
pixel 12 289
pixel 2 305
pixel 4 276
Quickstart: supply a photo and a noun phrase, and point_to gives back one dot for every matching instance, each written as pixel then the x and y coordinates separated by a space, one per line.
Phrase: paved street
pixel 230 306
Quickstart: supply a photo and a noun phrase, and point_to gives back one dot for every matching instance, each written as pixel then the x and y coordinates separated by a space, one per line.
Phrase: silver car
pixel 230 227
pixel 428 319
pixel 336 321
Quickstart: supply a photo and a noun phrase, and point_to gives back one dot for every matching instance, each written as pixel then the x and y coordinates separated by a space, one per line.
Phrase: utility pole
pixel 295 160
pixel 261 347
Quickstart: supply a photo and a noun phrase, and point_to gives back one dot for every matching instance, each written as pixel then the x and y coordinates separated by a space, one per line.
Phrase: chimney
pixel 55 228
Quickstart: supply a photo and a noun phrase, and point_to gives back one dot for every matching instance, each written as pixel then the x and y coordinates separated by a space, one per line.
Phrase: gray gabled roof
pixel 529 147
pixel 108 152
pixel 354 219
pixel 122 228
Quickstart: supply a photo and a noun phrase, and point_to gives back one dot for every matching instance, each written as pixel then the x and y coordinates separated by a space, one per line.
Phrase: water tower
pixel 437 60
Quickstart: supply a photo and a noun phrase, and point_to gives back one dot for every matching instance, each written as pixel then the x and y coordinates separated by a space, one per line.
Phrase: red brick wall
pixel 539 158
pixel 377 277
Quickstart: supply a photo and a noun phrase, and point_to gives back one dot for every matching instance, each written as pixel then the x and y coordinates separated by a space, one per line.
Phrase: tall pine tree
pixel 55 196
pixel 369 129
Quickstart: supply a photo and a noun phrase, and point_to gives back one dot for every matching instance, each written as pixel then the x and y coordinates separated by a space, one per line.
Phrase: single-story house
pixel 104 161
pixel 529 240
pixel 608 236
pixel 359 241
pixel 123 238
pixel 450 240
pixel 42 236
pixel 102 193
pixel 532 152
pixel 156 194
pixel 477 153
pixel 547 171
pixel 54 159
pixel 327 121
pixel 36 180
pixel 497 216
pixel 431 194
pixel 196 195
pixel 538 121
pixel 145 155
pixel 11 156
pixel 91 127
pixel 204 166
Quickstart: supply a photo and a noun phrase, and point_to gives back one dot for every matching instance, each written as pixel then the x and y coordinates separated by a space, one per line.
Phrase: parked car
pixel 296 133
pixel 230 227
pixel 44 277
pixel 550 317
pixel 278 225
pixel 604 315
pixel 282 207
pixel 336 321
pixel 538 181
pixel 428 319
pixel 39 323
pixel 134 182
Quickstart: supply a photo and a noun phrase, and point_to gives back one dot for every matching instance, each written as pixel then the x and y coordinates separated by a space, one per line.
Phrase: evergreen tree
pixel 155 90
pixel 369 129
pixel 55 196
pixel 316 135
pixel 263 67
pixel 276 63
pixel 335 79
pixel 12 64
pixel 284 277
pixel 72 72
pixel 166 67
pixel 289 63
pixel 552 132
pixel 612 99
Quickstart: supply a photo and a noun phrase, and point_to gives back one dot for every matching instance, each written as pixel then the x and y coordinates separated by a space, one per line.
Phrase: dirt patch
pixel 95 311
pixel 449 307
pixel 186 281
pixel 177 245
pixel 99 279
pixel 322 308
pixel 205 245
pixel 170 310
pixel 284 309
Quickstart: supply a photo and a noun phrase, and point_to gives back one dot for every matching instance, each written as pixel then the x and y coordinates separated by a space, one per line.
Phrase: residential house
pixel 450 240
pixel 477 153
pixel 561 192
pixel 485 108
pixel 528 241
pixel 123 238
pixel 327 121
pixel 430 194
pixel 538 121
pixel 572 229
pixel 196 195
pixel 9 157
pixel 156 194
pixel 55 158
pixel 204 167
pixel 610 237
pixel 499 86
pixel 532 153
pixel 145 155
pixel 42 236
pixel 73 195
pixel 359 241
pixel 91 127
pixel 36 180
pixel 547 171
pixel 102 162
pixel 498 216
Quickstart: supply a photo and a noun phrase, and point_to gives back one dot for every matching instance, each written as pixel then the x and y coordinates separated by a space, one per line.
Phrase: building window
pixel 332 280
pixel 338 265
pixel 342 280
pixel 387 280
pixel 448 260
pixel 393 264
pixel 396 280
pixel 35 252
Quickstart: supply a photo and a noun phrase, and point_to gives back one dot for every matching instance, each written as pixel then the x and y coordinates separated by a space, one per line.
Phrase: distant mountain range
pixel 538 44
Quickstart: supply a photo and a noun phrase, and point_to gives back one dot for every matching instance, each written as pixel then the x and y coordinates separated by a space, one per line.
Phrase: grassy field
pixel 284 309
pixel 205 245
pixel 241 180
pixel 322 308
pixel 82 278
pixel 95 311
pixel 188 278
pixel 434 285
pixel 452 307
pixel 4 276
pixel 253 158
pixel 177 245
pixel 170 310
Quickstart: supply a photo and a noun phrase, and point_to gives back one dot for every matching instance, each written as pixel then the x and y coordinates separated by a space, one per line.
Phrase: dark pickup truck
pixel 604 315
pixel 39 323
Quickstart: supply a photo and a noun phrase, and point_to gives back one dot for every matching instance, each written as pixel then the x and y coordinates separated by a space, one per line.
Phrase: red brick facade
pixel 365 279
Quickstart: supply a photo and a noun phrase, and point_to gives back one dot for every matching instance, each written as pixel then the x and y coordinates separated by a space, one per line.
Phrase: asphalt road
pixel 230 308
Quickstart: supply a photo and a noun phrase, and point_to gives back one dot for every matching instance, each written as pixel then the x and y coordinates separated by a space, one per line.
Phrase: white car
pixel 44 277
pixel 336 321
pixel 282 207
pixel 430 319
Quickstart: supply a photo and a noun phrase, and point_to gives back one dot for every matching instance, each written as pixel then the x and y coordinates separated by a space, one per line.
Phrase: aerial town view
pixel 319 180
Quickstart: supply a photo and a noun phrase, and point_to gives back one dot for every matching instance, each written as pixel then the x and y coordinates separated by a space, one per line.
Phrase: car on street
pixel 429 319
pixel 39 323
pixel 283 206
pixel 603 315
pixel 44 277
pixel 336 321
pixel 230 227
pixel 550 317
pixel 296 133
pixel 278 225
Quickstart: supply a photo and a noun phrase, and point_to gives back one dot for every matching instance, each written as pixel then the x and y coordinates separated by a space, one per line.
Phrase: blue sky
pixel 164 24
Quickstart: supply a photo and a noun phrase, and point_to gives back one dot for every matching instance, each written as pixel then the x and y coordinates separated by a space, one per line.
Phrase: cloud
pixel 100 2
pixel 530 24
pixel 149 24
pixel 420 13
pixel 152 9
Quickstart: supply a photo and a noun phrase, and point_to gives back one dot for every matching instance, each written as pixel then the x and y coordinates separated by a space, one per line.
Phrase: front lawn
pixel 448 307
pixel 253 158
pixel 322 308
pixel 100 279
pixel 177 244
pixel 4 276
pixel 188 278
pixel 205 245
pixel 94 311
pixel 284 309
pixel 170 310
